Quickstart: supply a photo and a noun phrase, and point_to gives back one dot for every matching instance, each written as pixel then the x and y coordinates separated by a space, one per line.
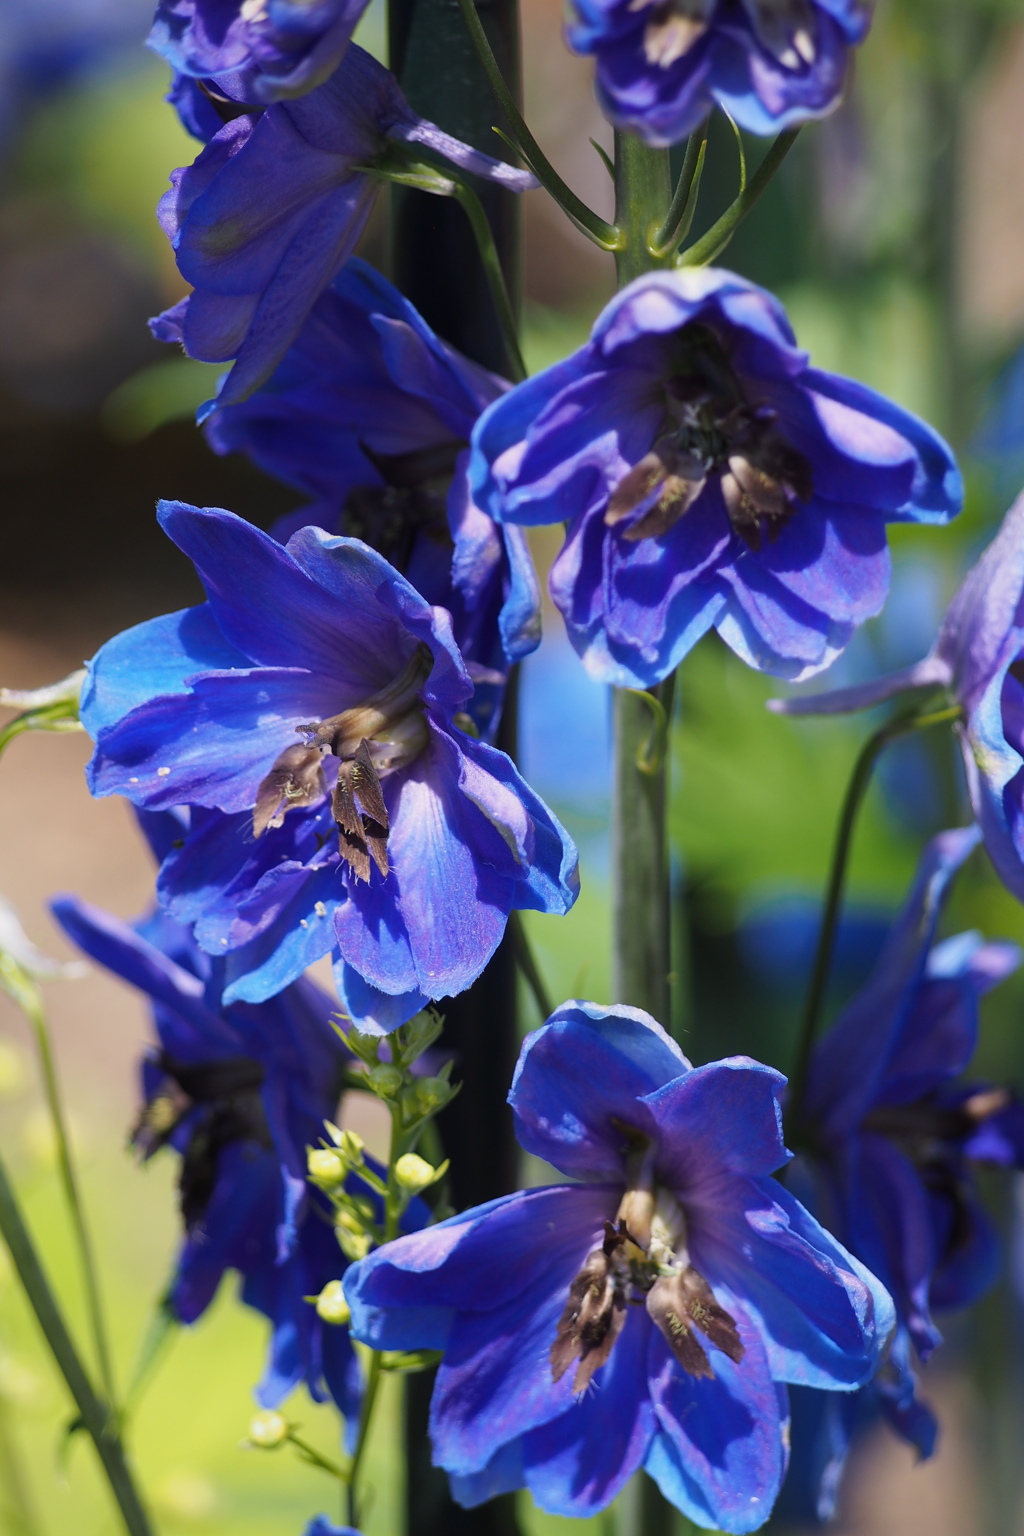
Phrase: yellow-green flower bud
pixel 413 1172
pixel 431 1093
pixel 331 1305
pixel 325 1166
pixel 351 1146
pixel 385 1079
pixel 268 1429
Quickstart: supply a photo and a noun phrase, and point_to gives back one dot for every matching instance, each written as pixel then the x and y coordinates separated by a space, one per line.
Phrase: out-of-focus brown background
pixel 896 236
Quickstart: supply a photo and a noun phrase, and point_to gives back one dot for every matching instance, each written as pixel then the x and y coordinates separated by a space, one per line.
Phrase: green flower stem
pixel 313 1458
pixel 860 780
pixel 95 1415
pixel 684 200
pixel 392 1217
pixel 32 1006
pixel 585 219
pixel 643 195
pixel 714 241
pixel 639 862
pixel 54 717
pixel 528 967
pixel 484 238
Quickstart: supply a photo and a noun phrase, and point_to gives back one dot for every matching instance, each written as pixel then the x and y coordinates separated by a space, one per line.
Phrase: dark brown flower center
pixel 643 1260
pixel 370 740
pixel 710 430
pixel 412 501
pixel 226 1096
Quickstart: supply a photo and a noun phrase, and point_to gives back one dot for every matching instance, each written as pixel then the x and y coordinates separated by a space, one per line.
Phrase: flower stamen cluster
pixel 710 429
pixel 643 1260
pixel 370 740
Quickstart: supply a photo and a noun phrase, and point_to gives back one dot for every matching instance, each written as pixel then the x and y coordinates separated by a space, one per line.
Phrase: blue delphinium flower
pixel 239 1093
pixel 648 1316
pixel 978 658
pixel 308 713
pixel 321 1526
pixel 370 415
pixel 275 204
pixel 894 1130
pixel 709 476
pixel 663 64
pixel 289 46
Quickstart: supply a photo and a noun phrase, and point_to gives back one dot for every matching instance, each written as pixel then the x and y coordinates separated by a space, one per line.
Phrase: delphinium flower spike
pixel 772 64
pixel 370 415
pixel 709 476
pixel 239 1093
pixel 311 715
pixel 893 1131
pixel 647 1316
pixel 275 204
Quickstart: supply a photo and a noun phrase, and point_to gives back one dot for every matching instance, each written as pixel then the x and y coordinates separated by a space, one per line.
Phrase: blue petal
pixel 721 1452
pixel 936 490
pixel 585 1068
pixel 824 1318
pixel 298 936
pixel 544 862
pixel 114 945
pixel 577 1463
pixel 375 598
pixel 503 1474
pixel 725 1116
pixel 281 613
pixel 211 746
pixel 156 657
pixel 373 1011
pixel 404 1296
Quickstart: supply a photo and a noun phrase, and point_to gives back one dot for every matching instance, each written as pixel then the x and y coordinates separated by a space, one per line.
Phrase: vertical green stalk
pixel 639 862
pixel 392 1218
pixel 643 195
pixel 95 1415
pixel 32 1006
pixel 860 781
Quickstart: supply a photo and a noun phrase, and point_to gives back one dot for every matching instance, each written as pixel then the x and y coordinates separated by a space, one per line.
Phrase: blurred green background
pixel 895 236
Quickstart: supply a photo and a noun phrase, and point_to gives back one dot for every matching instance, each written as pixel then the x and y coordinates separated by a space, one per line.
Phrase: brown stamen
pixel 360 814
pixel 682 1301
pixel 594 1316
pixel 296 779
pixel 710 429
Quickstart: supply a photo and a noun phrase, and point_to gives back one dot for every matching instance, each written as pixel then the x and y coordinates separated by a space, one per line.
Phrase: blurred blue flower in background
pixel 239 1093
pixel 893 1131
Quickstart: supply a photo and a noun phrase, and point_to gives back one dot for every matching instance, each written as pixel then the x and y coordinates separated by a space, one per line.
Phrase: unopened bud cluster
pixel 366 1198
